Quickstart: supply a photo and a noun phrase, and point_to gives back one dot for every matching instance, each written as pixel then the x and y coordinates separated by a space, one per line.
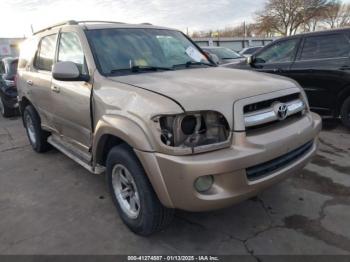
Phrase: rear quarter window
pixel 325 47
pixel 27 52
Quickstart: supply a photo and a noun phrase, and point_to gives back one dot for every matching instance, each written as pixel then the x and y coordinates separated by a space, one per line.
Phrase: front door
pixel 71 99
pixel 322 69
pixel 277 58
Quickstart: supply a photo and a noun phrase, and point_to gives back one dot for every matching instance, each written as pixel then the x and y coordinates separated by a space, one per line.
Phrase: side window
pixel 279 52
pixel 70 50
pixel 2 68
pixel 46 54
pixel 323 47
pixel 28 50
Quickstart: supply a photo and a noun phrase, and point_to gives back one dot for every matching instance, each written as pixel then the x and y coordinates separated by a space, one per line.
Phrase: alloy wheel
pixel 125 191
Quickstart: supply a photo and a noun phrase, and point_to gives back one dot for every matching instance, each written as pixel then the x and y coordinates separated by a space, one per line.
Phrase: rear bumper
pixel 173 177
pixel 9 99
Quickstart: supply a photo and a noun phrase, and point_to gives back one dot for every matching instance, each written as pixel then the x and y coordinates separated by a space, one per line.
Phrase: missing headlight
pixel 193 130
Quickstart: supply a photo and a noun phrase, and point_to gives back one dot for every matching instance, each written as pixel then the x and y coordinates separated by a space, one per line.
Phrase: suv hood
pixel 207 88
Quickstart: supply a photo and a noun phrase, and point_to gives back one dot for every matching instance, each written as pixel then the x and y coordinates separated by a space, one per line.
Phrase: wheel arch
pixel 114 130
pixel 343 95
pixel 108 136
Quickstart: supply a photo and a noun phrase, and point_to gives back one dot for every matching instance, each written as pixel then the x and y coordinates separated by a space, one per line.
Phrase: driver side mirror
pixel 250 60
pixel 67 71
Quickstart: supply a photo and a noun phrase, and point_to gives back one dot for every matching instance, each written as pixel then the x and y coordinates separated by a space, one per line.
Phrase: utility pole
pixel 244 33
pixel 31 27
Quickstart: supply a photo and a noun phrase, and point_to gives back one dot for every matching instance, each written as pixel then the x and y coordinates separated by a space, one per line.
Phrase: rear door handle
pixel 29 82
pixel 55 89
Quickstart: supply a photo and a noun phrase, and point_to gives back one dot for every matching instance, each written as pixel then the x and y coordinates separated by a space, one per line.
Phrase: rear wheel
pixel 37 137
pixel 132 193
pixel 4 110
pixel 345 113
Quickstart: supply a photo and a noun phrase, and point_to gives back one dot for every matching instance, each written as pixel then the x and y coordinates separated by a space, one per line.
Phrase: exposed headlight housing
pixel 193 130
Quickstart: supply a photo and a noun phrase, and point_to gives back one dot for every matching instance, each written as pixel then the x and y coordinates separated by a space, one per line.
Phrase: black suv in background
pixel 319 62
pixel 8 90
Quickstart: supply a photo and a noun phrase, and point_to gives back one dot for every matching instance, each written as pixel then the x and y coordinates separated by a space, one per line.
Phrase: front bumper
pixel 173 177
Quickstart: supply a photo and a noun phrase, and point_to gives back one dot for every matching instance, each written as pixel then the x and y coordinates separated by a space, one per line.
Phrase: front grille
pixel 267 103
pixel 268 112
pixel 265 169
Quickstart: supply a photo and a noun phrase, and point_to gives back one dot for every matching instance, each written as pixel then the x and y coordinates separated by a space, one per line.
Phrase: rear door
pixel 71 99
pixel 322 69
pixel 38 78
pixel 278 57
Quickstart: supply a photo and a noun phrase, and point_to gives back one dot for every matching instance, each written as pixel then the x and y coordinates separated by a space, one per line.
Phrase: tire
pixel 37 137
pixel 345 113
pixel 148 215
pixel 5 111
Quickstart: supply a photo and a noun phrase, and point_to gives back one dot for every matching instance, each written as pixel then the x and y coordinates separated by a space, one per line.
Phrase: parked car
pixel 170 128
pixel 8 91
pixel 249 51
pixel 226 56
pixel 319 62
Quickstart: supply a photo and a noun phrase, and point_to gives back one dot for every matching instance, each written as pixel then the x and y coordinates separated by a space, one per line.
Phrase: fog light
pixel 203 183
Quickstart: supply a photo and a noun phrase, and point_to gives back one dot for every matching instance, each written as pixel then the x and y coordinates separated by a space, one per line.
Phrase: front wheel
pixel 345 113
pixel 133 195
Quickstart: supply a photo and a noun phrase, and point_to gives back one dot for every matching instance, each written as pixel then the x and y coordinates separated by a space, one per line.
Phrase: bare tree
pixel 287 16
pixel 337 14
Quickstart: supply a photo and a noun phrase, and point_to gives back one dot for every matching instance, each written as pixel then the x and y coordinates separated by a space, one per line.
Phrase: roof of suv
pixel 89 25
pixel 316 33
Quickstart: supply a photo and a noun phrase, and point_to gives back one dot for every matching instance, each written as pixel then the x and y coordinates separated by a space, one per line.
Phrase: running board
pixel 68 152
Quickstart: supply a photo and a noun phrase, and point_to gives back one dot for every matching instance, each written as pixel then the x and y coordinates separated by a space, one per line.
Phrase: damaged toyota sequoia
pixel 171 130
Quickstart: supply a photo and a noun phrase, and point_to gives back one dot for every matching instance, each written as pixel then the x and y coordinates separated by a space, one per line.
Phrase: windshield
pixel 223 53
pixel 124 49
pixel 252 50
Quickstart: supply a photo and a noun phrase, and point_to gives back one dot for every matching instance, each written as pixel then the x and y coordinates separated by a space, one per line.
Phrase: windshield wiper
pixel 191 63
pixel 142 68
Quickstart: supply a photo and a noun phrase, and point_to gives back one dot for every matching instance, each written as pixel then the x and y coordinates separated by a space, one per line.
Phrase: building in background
pixel 234 43
pixel 9 47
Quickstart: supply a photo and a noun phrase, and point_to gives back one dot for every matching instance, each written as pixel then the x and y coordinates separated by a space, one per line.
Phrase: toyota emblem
pixel 281 111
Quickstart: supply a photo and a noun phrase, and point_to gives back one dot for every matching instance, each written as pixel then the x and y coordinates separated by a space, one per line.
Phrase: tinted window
pixel 279 52
pixel 13 67
pixel 321 47
pixel 70 50
pixel 46 54
pixel 223 53
pixel 251 51
pixel 2 68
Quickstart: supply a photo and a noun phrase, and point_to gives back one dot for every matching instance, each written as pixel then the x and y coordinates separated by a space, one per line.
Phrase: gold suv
pixel 170 129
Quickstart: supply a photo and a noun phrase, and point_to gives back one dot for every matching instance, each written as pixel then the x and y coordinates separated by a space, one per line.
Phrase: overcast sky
pixel 16 16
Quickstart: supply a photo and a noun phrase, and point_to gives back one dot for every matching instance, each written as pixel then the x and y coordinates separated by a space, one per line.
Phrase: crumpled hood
pixel 207 88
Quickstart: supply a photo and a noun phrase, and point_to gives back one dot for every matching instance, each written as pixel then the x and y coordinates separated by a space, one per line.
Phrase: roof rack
pixel 98 21
pixel 69 22
pixel 73 22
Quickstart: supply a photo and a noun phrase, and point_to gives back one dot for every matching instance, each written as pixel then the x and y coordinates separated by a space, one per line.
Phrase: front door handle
pixel 55 89
pixel 29 82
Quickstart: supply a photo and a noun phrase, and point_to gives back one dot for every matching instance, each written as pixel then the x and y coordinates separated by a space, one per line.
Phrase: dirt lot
pixel 51 205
